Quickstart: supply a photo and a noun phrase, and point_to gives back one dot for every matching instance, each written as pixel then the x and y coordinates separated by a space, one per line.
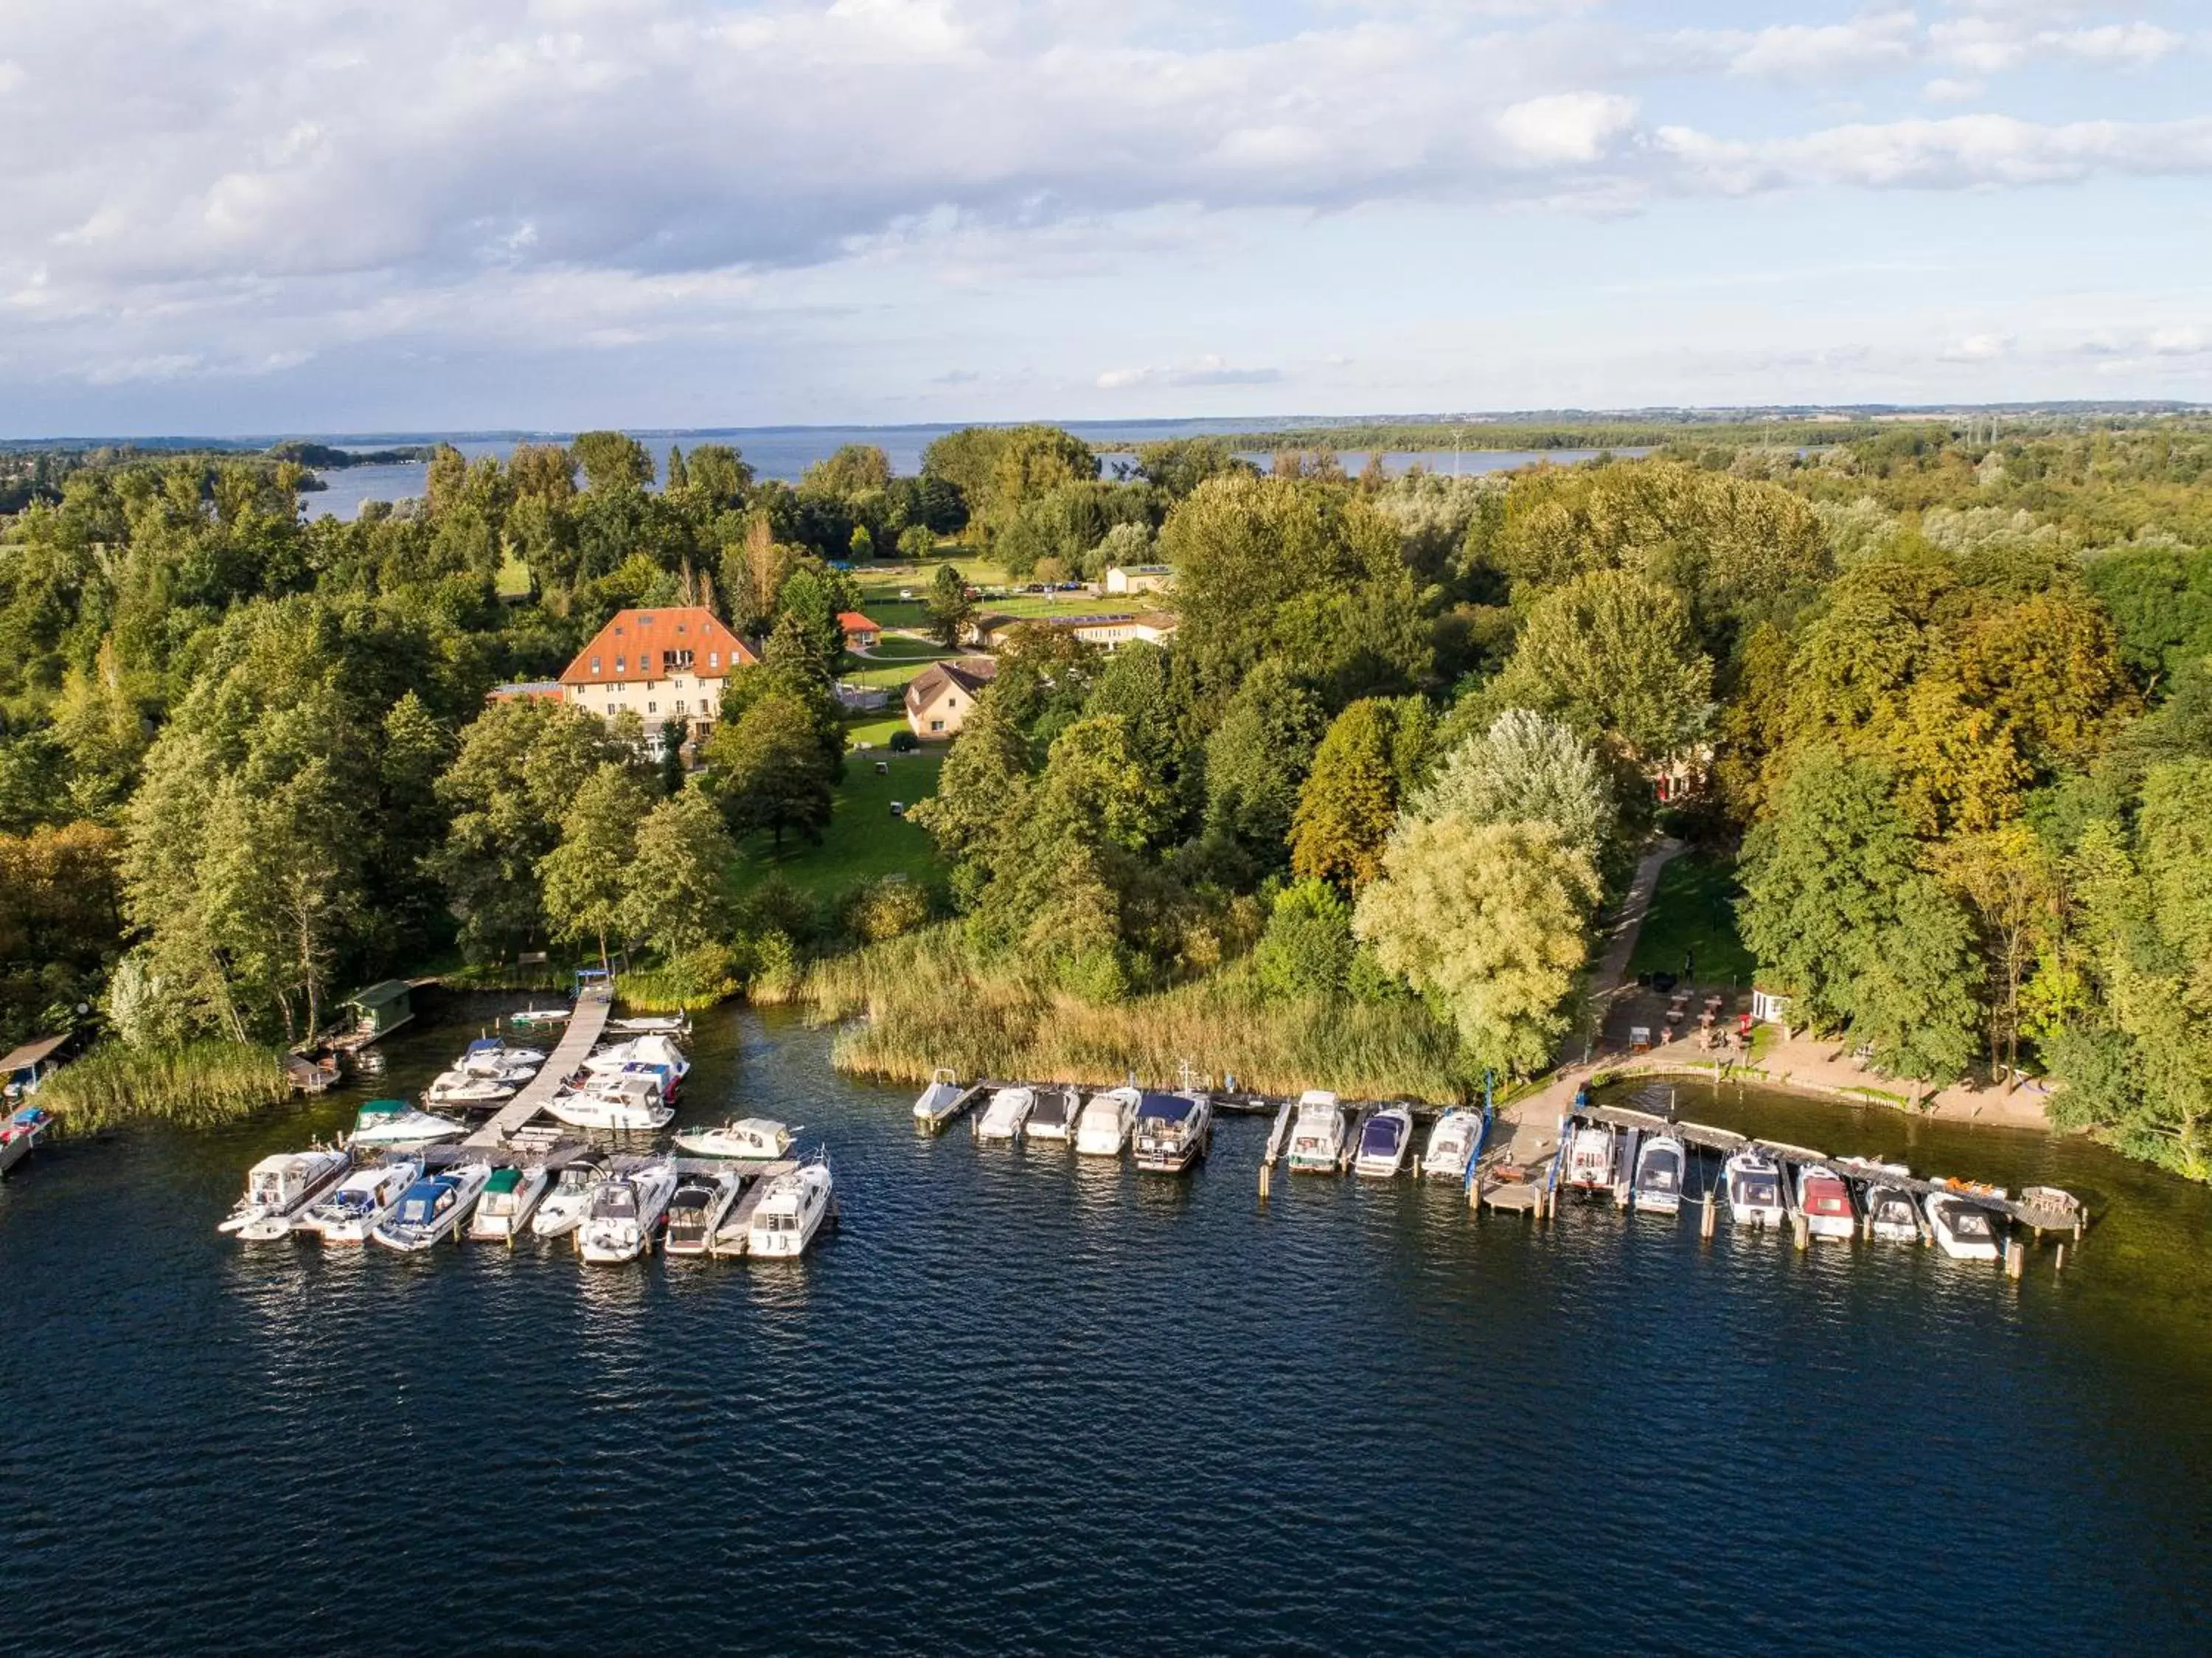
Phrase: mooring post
pixel 2016 1258
pixel 2060 1267
pixel 1264 1172
pixel 1706 1220
pixel 1800 1230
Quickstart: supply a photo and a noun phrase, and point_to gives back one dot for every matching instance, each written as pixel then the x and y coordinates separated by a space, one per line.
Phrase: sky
pixel 261 216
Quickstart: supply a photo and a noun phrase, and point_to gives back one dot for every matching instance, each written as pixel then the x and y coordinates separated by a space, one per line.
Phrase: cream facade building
pixel 666 666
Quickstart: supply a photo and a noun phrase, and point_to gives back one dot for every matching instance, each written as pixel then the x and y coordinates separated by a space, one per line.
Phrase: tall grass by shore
pixel 921 1001
pixel 195 1084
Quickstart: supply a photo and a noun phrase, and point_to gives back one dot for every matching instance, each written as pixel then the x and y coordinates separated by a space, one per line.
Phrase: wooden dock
pixel 731 1239
pixel 584 1026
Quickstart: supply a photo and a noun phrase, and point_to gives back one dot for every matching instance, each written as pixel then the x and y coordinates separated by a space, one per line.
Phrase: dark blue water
pixel 1018 1404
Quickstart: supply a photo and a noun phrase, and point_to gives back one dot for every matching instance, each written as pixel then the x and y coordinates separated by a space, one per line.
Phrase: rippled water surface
pixel 1017 1404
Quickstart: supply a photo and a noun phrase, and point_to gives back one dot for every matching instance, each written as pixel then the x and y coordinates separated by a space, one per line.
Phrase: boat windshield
pixel 1382 1134
pixel 1967 1223
pixel 616 1202
pixel 1761 1190
pixel 1662 1171
pixel 1826 1197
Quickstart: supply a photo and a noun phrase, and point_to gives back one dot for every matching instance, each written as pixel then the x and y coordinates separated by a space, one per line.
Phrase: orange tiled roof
pixel 852 622
pixel 651 644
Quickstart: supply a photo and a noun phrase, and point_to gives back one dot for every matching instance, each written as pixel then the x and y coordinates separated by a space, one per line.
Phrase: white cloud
pixel 1566 126
pixel 1960 151
pixel 1872 41
pixel 1989 44
pixel 1204 371
pixel 1977 348
pixel 1947 89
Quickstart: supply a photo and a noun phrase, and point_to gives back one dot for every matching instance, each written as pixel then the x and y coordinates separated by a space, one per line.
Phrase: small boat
pixel 1317 1135
pixel 1055 1114
pixel 652 1024
pixel 1964 1231
pixel 640 1050
pixel 508 1197
pixel 790 1212
pixel 625 1211
pixel 1107 1120
pixel 749 1137
pixel 20 1135
pixel 356 1203
pixel 1384 1139
pixel 937 1100
pixel 1753 1184
pixel 429 1211
pixel 562 1208
pixel 456 1087
pixel 1451 1142
pixel 396 1122
pixel 696 1213
pixel 1171 1131
pixel 278 1188
pixel 531 1016
pixel 1005 1115
pixel 1591 1155
pixel 1662 1163
pixel 1824 1199
pixel 489 1057
pixel 620 1103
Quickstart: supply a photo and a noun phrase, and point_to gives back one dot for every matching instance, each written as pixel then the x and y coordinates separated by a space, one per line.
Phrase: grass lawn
pixel 864 840
pixel 1693 912
pixel 875 728
pixel 897 649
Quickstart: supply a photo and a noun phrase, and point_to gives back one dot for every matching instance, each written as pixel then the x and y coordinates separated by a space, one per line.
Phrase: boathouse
pixel 380 1009
pixel 27 1067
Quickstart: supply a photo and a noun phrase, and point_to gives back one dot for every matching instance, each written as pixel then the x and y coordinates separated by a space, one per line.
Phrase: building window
pixel 952 702
pixel 645 621
pixel 653 707
pixel 679 704
pixel 714 659
pixel 610 708
pixel 595 664
pixel 937 725
pixel 620 664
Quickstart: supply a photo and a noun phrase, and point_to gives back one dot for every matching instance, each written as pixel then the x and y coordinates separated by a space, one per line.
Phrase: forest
pixel 1941 692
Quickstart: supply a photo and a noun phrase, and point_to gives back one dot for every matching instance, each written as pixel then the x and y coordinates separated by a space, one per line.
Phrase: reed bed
pixel 194 1084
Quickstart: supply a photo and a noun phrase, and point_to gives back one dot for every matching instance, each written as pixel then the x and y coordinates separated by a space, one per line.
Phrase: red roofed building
pixel 666 666
pixel 860 633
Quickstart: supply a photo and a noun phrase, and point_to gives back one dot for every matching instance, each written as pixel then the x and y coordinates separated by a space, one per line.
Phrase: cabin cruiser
pixel 562 1208
pixel 278 1188
pixel 1317 1134
pixel 1661 1166
pixel 460 1087
pixel 1171 1131
pixel 25 1127
pixel 619 1103
pixel 1752 1181
pixel 430 1210
pixel 625 1211
pixel 696 1213
pixel 790 1212
pixel 642 1050
pixel 1453 1142
pixel 1053 1117
pixel 352 1209
pixel 1107 1120
pixel 943 1094
pixel 489 1057
pixel 1964 1230
pixel 652 1024
pixel 1824 1199
pixel 509 1197
pixel 396 1122
pixel 1007 1112
pixel 1383 1141
pixel 758 1138
pixel 1591 1154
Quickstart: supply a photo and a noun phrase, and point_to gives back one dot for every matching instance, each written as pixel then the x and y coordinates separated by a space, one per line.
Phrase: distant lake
pixel 784 451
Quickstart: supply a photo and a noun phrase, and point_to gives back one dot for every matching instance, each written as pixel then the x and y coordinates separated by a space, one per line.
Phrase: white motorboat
pixel 489 1057
pixel 624 1212
pixel 562 1208
pixel 1824 1199
pixel 1054 1116
pixel 1452 1141
pixel 508 1197
pixel 458 1087
pixel 697 1211
pixel 640 1050
pixel 429 1211
pixel 620 1103
pixel 1591 1155
pixel 1753 1182
pixel 396 1122
pixel 936 1101
pixel 1317 1135
pixel 353 1207
pixel 1889 1213
pixel 278 1188
pixel 1171 1131
pixel 1964 1230
pixel 1384 1140
pixel 758 1138
pixel 652 1024
pixel 529 1018
pixel 1661 1168
pixel 1006 1114
pixel 790 1212
pixel 1106 1123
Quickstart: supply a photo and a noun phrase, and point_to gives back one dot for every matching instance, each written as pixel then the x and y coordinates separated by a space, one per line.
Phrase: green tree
pixel 1306 951
pixel 982 791
pixel 949 606
pixel 584 874
pixel 612 462
pixel 1525 769
pixel 675 890
pixel 768 771
pixel 854 469
pixel 1615 657
pixel 1257 759
pixel 1361 772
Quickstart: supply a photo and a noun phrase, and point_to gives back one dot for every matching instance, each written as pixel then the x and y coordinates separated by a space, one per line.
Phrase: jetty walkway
pixel 584 1026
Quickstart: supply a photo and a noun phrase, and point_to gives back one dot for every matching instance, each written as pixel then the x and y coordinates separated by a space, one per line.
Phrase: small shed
pixel 27 1067
pixel 860 633
pixel 380 1009
pixel 1769 1009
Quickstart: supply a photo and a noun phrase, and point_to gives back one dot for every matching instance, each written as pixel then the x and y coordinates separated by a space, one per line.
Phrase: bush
pixel 777 906
pixel 699 977
pixel 904 742
pixel 1307 950
pixel 884 908
pixel 1099 976
pixel 775 968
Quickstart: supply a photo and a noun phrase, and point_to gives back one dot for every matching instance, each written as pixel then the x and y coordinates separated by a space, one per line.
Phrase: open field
pixel 864 840
pixel 1693 913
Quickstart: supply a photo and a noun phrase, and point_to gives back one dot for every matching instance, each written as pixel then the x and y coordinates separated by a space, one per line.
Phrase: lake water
pixel 1017 1404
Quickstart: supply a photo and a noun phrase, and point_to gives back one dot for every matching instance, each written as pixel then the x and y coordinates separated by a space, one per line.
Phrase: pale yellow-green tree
pixel 1616 658
pixel 675 889
pixel 583 874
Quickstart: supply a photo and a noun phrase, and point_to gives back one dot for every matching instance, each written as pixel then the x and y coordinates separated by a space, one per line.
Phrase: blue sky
pixel 254 216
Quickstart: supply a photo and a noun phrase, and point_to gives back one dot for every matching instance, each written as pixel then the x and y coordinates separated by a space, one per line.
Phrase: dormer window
pixel 619 664
pixel 595 664
pixel 714 659
pixel 645 621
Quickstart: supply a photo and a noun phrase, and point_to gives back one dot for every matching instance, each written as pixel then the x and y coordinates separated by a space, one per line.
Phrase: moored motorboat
pixel 1055 1114
pixel 1317 1135
pixel 936 1100
pixel 20 1135
pixel 1171 1131
pixel 352 1210
pixel 396 1122
pixel 1383 1140
pixel 488 1055
pixel 1964 1230
pixel 1824 1199
pixel 530 1017
pixel 1591 1155
pixel 759 1138
pixel 1108 1119
pixel 642 1050
pixel 652 1024
pixel 1753 1183
pixel 562 1208
pixel 431 1210
pixel 1451 1142
pixel 460 1088
pixel 625 1211
pixel 790 1212
pixel 509 1197
pixel 278 1188
pixel 622 1104
pixel 1007 1114
pixel 697 1209
pixel 1661 1168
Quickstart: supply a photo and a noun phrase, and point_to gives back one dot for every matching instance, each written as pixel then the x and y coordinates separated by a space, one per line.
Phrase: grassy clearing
pixel 1693 913
pixel 897 648
pixel 197 1084
pixel 864 840
pixel 877 729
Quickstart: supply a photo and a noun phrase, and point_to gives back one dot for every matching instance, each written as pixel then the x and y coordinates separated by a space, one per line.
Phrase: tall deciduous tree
pixel 1615 656
pixel 675 891
pixel 1526 768
pixel 1366 764
pixel 1256 760
pixel 768 771
pixel 585 875
pixel 949 606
